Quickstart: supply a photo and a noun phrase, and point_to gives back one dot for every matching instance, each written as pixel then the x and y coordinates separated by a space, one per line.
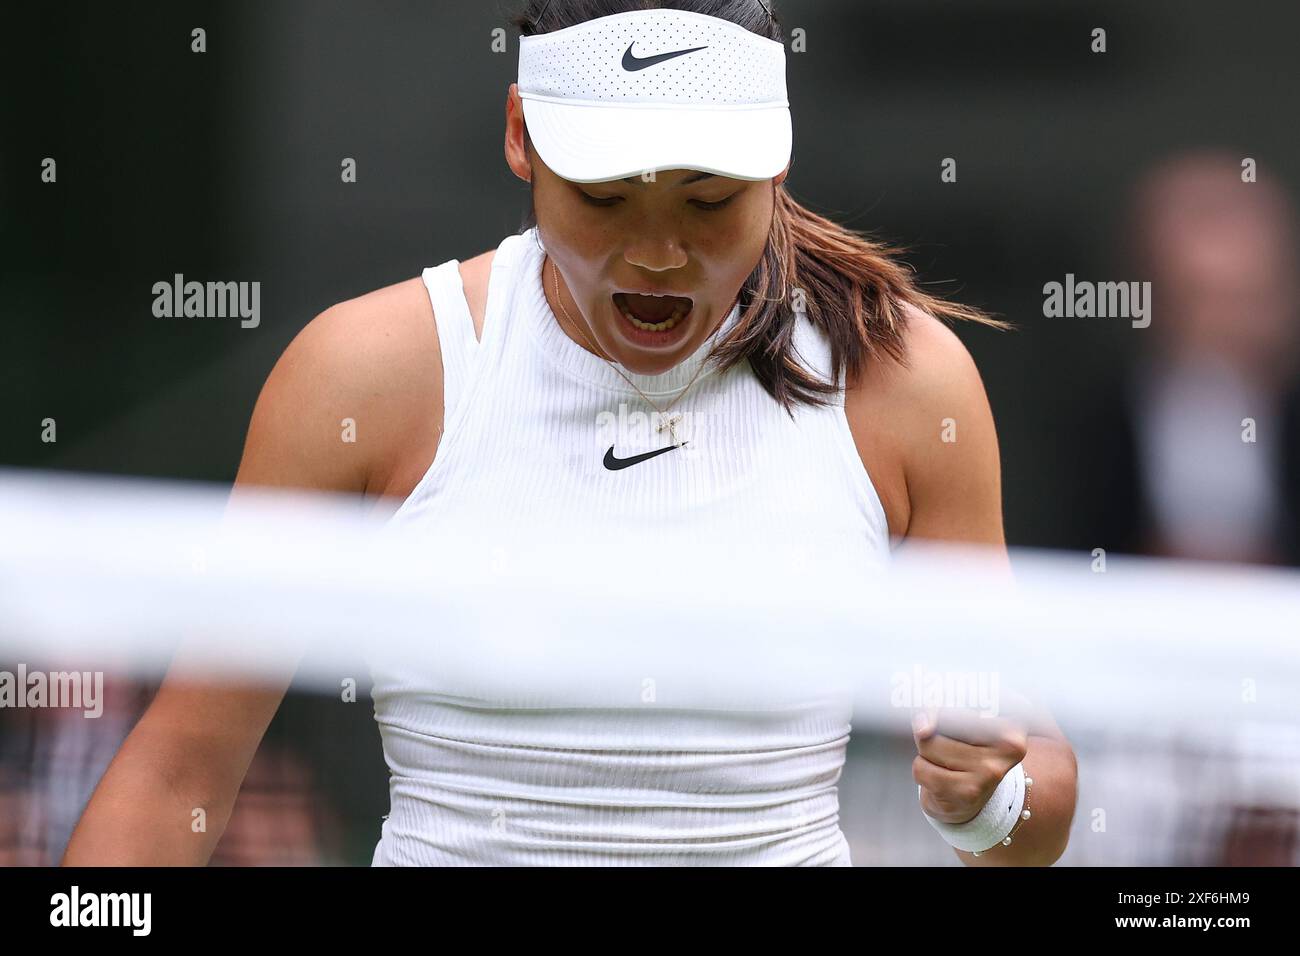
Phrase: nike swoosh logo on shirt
pixel 633 63
pixel 618 464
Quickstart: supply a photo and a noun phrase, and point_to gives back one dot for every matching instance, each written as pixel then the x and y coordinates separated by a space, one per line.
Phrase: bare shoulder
pixel 360 336
pixel 937 369
pixel 923 425
pixel 360 379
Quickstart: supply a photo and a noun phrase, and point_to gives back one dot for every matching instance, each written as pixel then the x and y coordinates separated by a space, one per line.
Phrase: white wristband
pixel 993 823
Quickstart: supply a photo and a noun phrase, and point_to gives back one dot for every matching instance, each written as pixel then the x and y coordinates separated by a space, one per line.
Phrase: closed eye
pixel 701 204
pixel 615 200
pixel 595 201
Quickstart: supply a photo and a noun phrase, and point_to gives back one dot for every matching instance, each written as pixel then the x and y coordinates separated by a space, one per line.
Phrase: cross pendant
pixel 670 423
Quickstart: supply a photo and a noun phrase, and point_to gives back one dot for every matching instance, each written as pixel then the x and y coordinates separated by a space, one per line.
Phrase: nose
pixel 655 253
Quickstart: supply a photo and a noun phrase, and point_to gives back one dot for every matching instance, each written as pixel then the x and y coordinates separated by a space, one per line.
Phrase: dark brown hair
pixel 852 287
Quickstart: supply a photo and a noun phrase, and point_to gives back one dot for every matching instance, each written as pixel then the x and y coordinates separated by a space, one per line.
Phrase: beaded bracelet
pixel 1024 815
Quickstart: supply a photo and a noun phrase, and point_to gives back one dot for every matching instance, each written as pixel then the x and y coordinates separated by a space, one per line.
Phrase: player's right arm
pixel 372 360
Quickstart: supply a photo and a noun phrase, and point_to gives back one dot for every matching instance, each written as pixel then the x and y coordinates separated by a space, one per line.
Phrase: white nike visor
pixel 635 93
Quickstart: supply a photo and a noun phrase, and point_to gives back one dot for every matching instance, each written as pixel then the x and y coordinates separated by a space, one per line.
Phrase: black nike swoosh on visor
pixel 618 464
pixel 633 63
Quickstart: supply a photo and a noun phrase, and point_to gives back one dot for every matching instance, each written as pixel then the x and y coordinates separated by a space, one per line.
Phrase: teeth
pixel 679 312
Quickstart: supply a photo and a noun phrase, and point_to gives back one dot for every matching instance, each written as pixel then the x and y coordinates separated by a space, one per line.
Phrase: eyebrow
pixel 685 182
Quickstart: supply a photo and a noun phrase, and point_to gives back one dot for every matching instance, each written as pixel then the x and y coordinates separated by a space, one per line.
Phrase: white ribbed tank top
pixel 529 415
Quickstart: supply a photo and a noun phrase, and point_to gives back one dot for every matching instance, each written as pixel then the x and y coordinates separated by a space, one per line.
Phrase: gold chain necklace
pixel 668 422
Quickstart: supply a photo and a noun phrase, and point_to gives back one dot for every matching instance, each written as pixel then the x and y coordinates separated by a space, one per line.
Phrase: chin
pixel 643 364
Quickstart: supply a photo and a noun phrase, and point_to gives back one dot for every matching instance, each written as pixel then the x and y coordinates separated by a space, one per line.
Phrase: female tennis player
pixel 672 342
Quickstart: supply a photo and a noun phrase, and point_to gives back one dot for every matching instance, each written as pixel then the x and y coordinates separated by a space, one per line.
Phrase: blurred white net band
pixel 112 573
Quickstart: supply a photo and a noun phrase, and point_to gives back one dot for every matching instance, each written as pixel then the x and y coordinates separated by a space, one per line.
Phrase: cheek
pixel 572 237
pixel 568 223
pixel 732 249
pixel 738 232
pixel 759 222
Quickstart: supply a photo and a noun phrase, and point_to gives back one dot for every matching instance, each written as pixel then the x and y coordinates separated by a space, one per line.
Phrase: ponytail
pixel 852 288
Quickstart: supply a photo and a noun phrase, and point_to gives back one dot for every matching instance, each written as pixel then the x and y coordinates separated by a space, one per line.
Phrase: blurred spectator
pixel 51 759
pixel 280 818
pixel 1198 455
pixel 1174 475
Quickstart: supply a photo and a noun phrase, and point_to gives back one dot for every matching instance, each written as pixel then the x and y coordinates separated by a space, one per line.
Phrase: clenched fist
pixel 961 758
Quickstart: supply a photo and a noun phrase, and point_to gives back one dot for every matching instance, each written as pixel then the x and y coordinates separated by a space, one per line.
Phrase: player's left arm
pixel 949 453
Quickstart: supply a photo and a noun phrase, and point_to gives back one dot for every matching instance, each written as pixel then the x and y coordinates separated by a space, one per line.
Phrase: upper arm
pixel 951 460
pixel 359 383
pixel 348 390
pixel 932 440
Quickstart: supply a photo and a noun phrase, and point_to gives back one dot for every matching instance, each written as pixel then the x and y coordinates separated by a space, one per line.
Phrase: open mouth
pixel 653 313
